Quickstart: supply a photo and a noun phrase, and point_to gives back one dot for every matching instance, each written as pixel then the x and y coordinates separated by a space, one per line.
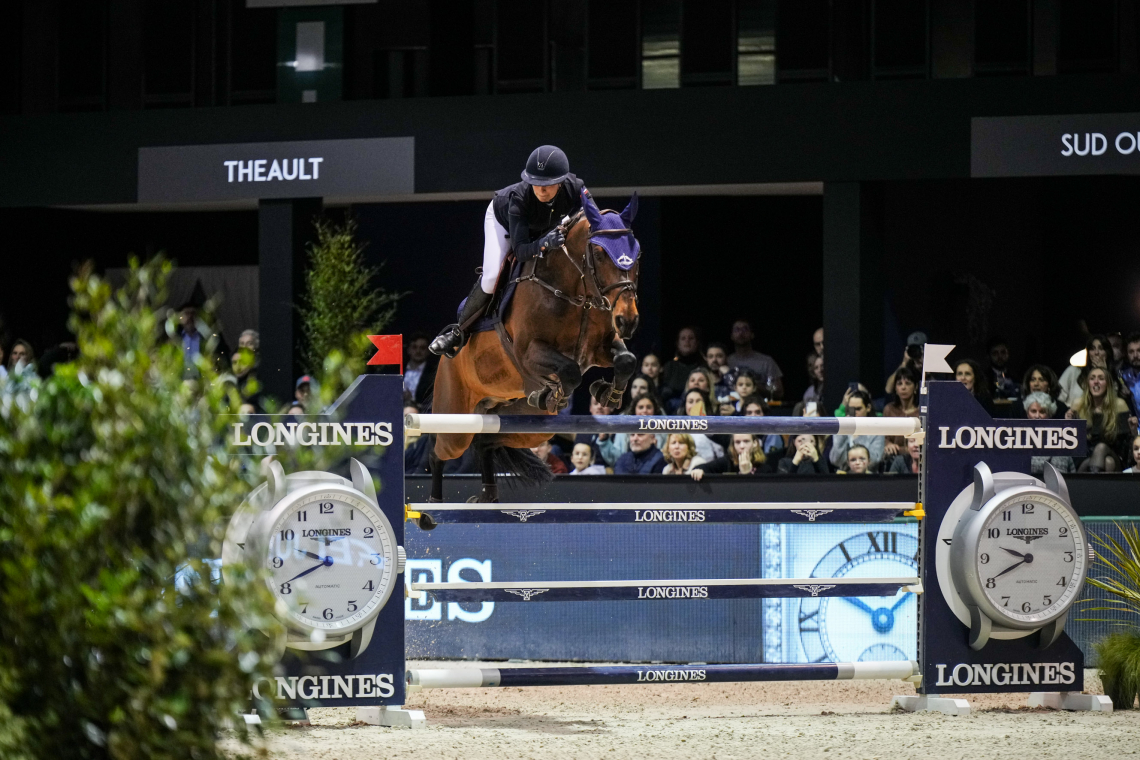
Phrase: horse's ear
pixel 630 212
pixel 592 214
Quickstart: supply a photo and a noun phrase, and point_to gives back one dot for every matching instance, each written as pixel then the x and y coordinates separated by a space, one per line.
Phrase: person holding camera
pixel 912 358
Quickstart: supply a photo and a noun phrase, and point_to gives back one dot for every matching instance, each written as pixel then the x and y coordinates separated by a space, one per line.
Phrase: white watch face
pixel 331 560
pixel 1030 557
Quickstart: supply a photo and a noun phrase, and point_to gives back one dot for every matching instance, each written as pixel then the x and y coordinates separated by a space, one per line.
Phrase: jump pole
pixel 624 423
pixel 476 678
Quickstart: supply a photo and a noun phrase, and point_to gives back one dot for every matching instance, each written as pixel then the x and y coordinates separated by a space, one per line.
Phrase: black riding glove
pixel 552 240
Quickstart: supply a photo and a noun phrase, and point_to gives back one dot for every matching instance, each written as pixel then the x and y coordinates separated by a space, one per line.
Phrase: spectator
pixel 1041 406
pixel 858 405
pixel 703 378
pixel 545 452
pixel 1135 467
pixel 745 385
pixel 305 393
pixel 643 457
pixel 681 455
pixel 1072 381
pixel 817 342
pixel 697 404
pixel 244 364
pixel 640 385
pixel 603 444
pixel 1039 379
pixel 195 336
pixel 814 391
pixel 1002 385
pixel 716 357
pixel 1130 370
pixel 1116 341
pixel 858 461
pixel 909 462
pixel 22 358
pixel 804 457
pixel 651 368
pixel 772 445
pixel 726 407
pixel 1108 423
pixel 852 388
pixel 642 406
pixel 747 458
pixel 420 367
pixel 582 459
pixel 763 365
pixel 969 373
pixel 912 357
pixel 905 404
pixel 675 373
pixel 64 353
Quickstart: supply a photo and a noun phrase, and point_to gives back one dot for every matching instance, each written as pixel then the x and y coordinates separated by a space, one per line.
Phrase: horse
pixel 572 309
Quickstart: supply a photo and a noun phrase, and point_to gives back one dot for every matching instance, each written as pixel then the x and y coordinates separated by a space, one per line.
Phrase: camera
pixel 914 351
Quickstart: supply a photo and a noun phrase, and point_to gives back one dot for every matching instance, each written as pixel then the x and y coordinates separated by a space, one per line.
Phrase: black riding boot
pixel 453 337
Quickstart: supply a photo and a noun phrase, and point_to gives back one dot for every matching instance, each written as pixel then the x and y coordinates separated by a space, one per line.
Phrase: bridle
pixel 596 296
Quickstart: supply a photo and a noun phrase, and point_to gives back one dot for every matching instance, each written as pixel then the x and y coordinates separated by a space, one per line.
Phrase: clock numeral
pixel 993 532
pixel 352 605
pixel 1049 515
pixel 846 554
pixel 286 535
pixel 1062 582
pixel 304 607
pixel 374 561
pixel 1027 509
pixel 368 586
pixel 991 582
pixel 890 541
pixel 286 588
pixel 1062 531
pixel 1048 601
pixel 278 562
pixel 984 559
pixel 368 532
pixel 327 614
pixel 1027 607
pixel 351 514
pixel 1007 515
pixel 1006 601
pixel 326 508
pixel 1068 556
pixel 302 516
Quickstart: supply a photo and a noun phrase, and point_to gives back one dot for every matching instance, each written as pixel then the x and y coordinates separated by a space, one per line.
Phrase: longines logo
pixel 287 170
pixel 1021 437
pixel 672 592
pixel 1007 674
pixel 314 434
pixel 326 687
pixel 1027 534
pixel 681 423
pixel 316 533
pixel 669 515
pixel 644 676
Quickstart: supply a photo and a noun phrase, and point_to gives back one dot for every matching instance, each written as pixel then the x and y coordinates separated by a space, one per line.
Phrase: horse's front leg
pixel 559 373
pixel 625 364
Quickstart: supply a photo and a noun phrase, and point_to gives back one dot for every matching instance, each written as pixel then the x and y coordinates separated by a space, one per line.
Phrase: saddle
pixel 496 312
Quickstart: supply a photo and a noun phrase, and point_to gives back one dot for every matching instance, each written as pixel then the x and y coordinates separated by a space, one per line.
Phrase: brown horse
pixel 573 309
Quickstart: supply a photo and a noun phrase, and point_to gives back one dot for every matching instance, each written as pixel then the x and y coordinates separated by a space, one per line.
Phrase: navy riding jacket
pixel 526 219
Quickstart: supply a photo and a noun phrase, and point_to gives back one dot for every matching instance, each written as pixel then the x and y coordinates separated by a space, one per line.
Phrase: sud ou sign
pixel 1096 143
pixel 422 607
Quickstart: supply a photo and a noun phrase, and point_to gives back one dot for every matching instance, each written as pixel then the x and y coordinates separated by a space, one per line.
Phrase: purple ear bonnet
pixel 623 249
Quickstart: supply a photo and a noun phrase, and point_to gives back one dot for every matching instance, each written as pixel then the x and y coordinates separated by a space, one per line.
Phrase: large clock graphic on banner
pixel 863 628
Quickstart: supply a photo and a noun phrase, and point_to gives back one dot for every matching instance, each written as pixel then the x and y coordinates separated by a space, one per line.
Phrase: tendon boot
pixel 454 337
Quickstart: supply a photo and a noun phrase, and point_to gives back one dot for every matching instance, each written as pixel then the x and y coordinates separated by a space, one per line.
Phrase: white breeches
pixel 496 246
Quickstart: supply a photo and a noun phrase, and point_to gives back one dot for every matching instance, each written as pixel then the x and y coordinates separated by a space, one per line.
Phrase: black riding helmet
pixel 547 165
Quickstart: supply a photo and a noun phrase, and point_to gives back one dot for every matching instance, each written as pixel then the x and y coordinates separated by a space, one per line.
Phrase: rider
pixel 523 217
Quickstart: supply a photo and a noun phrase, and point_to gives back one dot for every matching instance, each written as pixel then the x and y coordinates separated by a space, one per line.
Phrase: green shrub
pixel 1119 653
pixel 111 479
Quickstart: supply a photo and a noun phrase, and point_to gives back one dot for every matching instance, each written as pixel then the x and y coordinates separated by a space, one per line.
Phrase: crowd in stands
pixel 1101 386
pixel 720 379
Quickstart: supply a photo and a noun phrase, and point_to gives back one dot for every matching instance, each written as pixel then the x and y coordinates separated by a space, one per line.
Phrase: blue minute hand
pixel 303 573
pixel 859 603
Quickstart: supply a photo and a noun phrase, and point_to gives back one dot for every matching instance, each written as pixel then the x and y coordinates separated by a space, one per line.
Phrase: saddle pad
pixel 499 308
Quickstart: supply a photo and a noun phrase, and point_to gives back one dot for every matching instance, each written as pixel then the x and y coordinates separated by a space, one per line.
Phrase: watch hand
pixel 325 562
pixel 1011 551
pixel 899 603
pixel 858 603
pixel 310 554
pixel 326 539
pixel 1011 567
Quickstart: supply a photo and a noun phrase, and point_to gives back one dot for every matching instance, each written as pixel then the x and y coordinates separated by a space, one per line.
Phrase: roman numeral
pixel 890 541
pixel 846 553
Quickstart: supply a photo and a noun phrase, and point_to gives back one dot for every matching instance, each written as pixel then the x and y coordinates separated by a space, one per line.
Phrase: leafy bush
pixel 111 480
pixel 1119 653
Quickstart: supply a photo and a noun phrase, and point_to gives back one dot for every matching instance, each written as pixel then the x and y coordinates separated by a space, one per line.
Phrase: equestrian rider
pixel 523 217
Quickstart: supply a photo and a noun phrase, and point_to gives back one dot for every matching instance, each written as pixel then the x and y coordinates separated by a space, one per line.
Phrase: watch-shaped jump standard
pixel 330 552
pixel 1018 556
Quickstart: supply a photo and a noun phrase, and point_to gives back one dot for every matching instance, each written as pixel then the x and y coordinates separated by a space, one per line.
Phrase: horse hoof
pixel 481 499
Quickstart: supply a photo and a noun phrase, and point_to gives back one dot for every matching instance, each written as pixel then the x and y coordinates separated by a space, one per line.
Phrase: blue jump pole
pixel 474 678
pixel 618 423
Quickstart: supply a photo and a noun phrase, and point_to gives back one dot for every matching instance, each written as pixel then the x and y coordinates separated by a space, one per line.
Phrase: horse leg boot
pixel 560 375
pixel 454 337
pixel 490 492
pixel 436 465
pixel 625 364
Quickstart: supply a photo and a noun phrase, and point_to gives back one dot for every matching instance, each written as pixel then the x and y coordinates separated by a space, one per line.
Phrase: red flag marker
pixel 389 350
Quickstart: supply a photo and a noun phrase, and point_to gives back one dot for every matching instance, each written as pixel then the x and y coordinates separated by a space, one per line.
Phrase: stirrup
pixel 448 342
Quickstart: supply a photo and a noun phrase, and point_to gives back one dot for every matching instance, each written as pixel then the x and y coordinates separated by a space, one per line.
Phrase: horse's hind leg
pixel 490 491
pixel 436 477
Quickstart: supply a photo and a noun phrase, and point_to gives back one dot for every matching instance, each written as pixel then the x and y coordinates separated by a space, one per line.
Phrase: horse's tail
pixel 527 468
